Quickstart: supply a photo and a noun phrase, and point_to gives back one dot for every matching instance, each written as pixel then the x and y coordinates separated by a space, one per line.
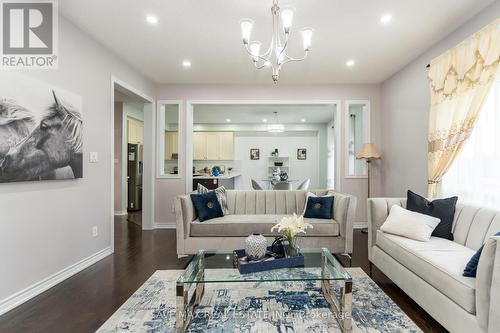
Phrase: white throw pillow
pixel 403 222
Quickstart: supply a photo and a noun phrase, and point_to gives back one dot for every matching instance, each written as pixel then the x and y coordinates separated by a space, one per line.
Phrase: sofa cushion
pixel 403 222
pixel 244 225
pixel 443 209
pixel 440 262
pixel 207 206
pixel 319 207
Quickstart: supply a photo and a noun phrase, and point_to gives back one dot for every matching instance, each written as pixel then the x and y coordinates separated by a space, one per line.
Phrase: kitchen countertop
pixel 224 176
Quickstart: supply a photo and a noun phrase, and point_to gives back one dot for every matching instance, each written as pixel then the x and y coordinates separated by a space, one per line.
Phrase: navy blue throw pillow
pixel 207 206
pixel 319 208
pixel 471 267
pixel 443 209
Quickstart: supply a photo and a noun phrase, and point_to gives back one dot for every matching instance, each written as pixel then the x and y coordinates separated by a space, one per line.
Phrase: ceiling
pixel 256 113
pixel 207 33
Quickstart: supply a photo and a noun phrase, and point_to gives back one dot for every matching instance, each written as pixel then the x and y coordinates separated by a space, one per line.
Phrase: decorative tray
pixel 269 262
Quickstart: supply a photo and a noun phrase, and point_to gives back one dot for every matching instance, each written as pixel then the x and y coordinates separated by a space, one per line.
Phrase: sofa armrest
pixel 344 211
pixel 488 286
pixel 184 215
pixel 377 211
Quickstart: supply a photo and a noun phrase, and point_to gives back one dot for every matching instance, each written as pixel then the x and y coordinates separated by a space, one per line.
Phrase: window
pixel 169 140
pixel 357 125
pixel 474 175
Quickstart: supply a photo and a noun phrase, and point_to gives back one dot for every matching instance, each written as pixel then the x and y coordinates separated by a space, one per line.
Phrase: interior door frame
pixel 188 137
pixel 149 157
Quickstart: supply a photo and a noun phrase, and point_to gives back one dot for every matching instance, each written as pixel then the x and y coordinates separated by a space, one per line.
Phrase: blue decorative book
pixel 269 262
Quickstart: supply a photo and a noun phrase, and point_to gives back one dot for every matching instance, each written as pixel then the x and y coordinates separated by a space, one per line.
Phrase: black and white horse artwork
pixel 43 149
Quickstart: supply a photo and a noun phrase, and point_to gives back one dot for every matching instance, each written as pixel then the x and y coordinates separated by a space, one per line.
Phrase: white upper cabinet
pixel 213 146
pixel 135 131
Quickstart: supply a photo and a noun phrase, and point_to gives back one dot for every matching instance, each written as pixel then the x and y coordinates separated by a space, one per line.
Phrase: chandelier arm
pixel 282 52
pixel 290 59
pixel 261 57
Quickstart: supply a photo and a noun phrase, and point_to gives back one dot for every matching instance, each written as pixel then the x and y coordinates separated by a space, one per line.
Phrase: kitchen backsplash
pixel 236 165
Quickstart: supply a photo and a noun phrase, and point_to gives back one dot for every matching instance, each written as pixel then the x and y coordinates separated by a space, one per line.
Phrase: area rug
pixel 278 307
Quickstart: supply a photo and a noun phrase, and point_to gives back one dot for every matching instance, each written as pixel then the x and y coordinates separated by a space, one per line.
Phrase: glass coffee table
pixel 319 265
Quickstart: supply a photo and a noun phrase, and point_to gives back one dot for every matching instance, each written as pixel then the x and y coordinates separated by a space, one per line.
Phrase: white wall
pixel 287 146
pixel 406 104
pixel 46 226
pixel 168 189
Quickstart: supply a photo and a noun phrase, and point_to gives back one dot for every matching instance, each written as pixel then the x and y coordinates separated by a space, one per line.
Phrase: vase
pixel 255 246
pixel 292 249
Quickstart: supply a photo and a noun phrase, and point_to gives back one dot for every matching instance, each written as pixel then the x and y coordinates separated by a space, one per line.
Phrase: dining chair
pixel 256 185
pixel 282 186
pixel 304 185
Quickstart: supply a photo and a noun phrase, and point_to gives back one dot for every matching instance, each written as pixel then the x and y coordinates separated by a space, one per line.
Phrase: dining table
pixel 271 182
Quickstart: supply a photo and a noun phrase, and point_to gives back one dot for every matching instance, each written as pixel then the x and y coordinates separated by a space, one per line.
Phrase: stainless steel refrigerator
pixel 134 173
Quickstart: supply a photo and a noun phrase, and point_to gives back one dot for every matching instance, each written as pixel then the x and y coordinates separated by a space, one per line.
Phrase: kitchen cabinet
pixel 213 183
pixel 213 145
pixel 226 146
pixel 135 131
pixel 171 144
pixel 199 146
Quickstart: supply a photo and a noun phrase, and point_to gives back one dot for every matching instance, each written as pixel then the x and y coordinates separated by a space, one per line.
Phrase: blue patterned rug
pixel 283 307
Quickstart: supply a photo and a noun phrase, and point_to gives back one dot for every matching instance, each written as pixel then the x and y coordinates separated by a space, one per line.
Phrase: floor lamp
pixel 369 153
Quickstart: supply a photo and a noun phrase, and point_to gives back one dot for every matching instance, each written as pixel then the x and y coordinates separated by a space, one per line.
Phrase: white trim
pixel 367 134
pixel 189 129
pixel 164 225
pixel 148 189
pixel 360 225
pixel 160 149
pixel 39 287
pixel 120 213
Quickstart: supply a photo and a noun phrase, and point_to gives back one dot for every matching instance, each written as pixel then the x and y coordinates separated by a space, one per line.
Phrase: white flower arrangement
pixel 291 226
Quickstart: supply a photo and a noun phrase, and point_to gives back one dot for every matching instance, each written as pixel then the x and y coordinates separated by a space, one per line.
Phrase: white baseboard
pixel 360 225
pixel 164 225
pixel 120 213
pixel 39 287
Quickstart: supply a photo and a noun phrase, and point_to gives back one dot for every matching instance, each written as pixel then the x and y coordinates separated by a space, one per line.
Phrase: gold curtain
pixel 460 80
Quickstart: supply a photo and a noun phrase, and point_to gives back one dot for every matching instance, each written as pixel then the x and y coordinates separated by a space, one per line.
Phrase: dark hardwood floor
pixel 83 302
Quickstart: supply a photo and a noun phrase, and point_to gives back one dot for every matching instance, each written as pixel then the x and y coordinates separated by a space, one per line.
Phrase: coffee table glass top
pixel 216 267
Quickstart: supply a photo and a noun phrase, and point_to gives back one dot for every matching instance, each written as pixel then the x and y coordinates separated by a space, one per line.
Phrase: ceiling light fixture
pixel 350 63
pixel 303 120
pixel 264 120
pixel 276 127
pixel 151 19
pixel 276 55
pixel 186 63
pixel 386 19
pixel 228 120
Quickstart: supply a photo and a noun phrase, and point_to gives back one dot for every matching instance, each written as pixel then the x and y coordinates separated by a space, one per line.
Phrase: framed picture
pixel 41 131
pixel 302 154
pixel 255 154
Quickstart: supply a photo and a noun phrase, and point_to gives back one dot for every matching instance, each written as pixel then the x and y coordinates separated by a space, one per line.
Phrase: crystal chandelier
pixel 276 127
pixel 276 56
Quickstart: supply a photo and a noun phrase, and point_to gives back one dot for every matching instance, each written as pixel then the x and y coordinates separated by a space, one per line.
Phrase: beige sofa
pixel 431 272
pixel 256 212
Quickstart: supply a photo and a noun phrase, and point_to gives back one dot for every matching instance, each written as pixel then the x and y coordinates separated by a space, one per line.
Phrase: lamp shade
pixel 368 152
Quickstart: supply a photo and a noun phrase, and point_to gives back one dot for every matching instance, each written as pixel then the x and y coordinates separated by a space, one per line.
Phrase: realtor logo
pixel 29 34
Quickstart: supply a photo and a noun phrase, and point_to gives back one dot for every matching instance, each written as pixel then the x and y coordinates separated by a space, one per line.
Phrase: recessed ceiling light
pixel 264 120
pixel 350 63
pixel 228 120
pixel 151 19
pixel 303 120
pixel 386 19
pixel 186 63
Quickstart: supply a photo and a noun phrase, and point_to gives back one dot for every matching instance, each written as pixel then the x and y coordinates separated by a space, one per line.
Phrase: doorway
pixel 133 159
